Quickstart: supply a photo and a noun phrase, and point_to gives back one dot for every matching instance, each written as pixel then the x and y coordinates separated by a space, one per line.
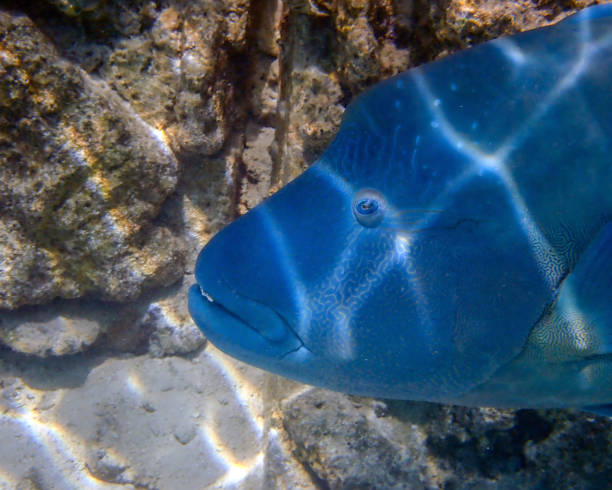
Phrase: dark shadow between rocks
pixel 51 373
pixel 496 450
pixel 420 413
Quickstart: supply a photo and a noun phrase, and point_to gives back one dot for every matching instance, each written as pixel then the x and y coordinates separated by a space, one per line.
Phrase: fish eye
pixel 369 207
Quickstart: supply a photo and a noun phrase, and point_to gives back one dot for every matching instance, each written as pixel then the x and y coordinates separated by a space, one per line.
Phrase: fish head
pixel 263 282
pixel 381 269
pixel 311 285
pixel 285 286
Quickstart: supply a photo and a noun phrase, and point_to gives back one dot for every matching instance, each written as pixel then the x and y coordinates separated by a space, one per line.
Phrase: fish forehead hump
pixel 511 138
pixel 487 103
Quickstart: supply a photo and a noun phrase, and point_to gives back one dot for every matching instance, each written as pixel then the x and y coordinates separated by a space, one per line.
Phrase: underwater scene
pixel 305 244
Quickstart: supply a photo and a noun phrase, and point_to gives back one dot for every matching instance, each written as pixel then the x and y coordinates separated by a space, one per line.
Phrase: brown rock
pixel 82 178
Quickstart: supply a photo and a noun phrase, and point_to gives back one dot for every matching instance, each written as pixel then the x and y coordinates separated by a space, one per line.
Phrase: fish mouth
pixel 241 326
pixel 274 327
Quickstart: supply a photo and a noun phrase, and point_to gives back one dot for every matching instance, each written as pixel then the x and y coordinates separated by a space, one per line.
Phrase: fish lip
pixel 217 304
pixel 238 338
pixel 283 327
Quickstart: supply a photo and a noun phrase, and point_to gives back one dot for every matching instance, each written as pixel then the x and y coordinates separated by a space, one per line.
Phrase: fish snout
pixel 243 291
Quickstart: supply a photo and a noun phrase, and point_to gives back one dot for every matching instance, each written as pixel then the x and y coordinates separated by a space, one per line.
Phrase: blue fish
pixel 454 242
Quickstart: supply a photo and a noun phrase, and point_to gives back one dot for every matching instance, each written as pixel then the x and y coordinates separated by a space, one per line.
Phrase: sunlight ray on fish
pixel 495 163
pixel 288 264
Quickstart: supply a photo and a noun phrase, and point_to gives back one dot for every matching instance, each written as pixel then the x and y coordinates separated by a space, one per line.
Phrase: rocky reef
pixel 132 131
pixel 82 179
pixel 350 442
